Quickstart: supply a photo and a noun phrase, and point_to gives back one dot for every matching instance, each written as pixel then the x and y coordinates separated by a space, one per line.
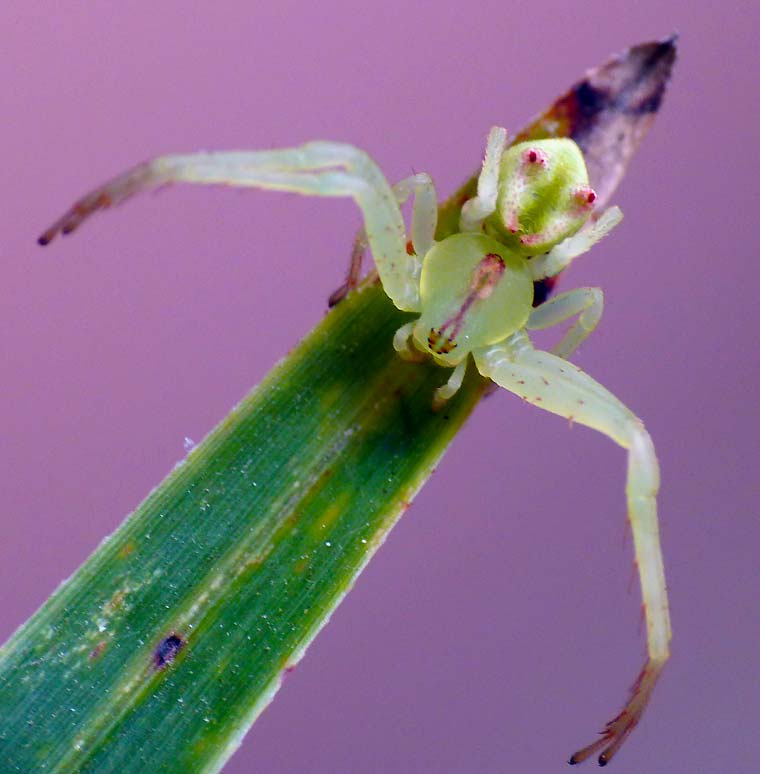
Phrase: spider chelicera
pixel 473 292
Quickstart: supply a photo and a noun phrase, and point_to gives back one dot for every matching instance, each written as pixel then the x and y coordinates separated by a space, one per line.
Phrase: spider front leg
pixel 424 221
pixel 561 256
pixel 588 303
pixel 314 169
pixel 477 209
pixel 558 386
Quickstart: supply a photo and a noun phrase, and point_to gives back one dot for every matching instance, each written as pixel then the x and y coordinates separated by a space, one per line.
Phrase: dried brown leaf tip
pixel 609 111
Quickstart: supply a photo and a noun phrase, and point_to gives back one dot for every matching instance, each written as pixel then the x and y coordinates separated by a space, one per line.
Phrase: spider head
pixel 543 196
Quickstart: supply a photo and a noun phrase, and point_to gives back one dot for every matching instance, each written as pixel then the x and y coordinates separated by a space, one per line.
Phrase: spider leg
pixel 558 386
pixel 402 344
pixel 448 390
pixel 561 256
pixel 477 209
pixel 354 272
pixel 313 169
pixel 424 209
pixel 588 303
pixel 424 221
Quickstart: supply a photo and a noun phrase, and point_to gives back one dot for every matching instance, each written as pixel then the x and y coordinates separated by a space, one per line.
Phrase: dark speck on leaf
pixel 167 650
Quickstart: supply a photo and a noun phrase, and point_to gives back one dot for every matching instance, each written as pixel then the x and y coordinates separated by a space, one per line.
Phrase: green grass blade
pixel 159 653
pixel 188 616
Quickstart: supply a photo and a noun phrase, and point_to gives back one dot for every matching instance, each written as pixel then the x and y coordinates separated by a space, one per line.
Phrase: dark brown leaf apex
pixel 609 111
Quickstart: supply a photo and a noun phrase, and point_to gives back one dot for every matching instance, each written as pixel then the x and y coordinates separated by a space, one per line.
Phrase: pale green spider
pixel 474 295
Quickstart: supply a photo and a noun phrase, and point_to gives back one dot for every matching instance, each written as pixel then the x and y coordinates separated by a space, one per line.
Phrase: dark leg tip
pixel 572 760
pixel 603 760
pixel 43 240
pixel 338 295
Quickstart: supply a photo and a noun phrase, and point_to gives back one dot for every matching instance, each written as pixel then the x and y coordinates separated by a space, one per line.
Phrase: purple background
pixel 498 629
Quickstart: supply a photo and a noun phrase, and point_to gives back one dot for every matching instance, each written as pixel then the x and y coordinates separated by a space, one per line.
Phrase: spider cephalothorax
pixel 544 196
pixel 473 293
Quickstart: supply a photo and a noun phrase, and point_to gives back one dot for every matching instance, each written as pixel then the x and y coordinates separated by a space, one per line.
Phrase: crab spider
pixel 473 294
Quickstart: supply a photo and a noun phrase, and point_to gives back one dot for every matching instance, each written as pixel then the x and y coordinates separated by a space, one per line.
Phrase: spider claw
pixel 618 739
pixel 72 219
pixel 611 740
pixel 339 294
pixel 114 192
pixel 50 234
pixel 621 726
pixel 589 750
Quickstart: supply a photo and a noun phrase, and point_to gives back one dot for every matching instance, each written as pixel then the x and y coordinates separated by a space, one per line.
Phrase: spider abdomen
pixel 473 292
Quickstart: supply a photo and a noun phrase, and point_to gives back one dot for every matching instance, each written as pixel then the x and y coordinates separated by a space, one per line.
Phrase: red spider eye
pixel 535 157
pixel 585 196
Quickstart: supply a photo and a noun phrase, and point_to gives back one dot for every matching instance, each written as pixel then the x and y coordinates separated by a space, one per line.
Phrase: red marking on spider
pixel 585 196
pixel 530 239
pixel 486 276
pixel 535 156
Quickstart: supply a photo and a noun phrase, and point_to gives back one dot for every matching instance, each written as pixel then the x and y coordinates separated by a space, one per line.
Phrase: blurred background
pixel 498 629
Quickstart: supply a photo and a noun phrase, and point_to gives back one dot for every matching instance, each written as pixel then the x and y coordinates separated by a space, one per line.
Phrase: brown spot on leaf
pixel 115 603
pixel 97 651
pixel 167 650
pixel 610 110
